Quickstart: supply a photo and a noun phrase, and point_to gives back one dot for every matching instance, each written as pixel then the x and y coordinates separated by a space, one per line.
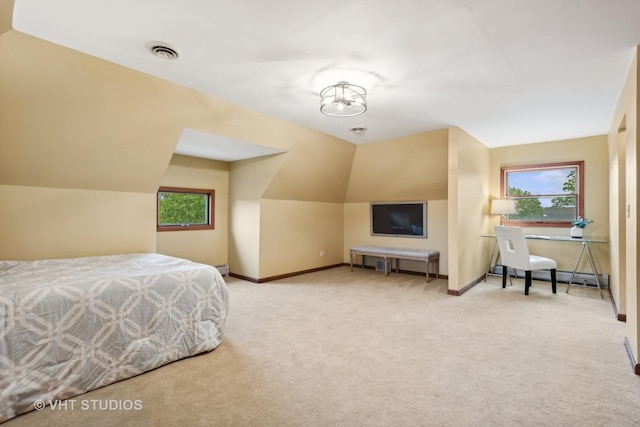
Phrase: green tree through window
pixel 546 195
pixel 181 209
pixel 526 208
pixel 570 187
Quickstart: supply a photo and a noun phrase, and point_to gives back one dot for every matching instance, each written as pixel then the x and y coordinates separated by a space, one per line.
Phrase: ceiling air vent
pixel 162 50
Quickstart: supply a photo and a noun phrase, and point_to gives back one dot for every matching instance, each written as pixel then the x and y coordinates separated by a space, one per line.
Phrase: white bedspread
pixel 72 325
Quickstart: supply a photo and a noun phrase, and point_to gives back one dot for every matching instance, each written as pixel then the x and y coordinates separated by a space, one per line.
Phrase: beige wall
pixel 6 15
pixel 594 152
pixel 402 169
pixel 617 218
pixel 286 208
pixel 293 233
pixel 244 238
pixel 315 168
pixel 633 201
pixel 468 191
pixel 357 231
pixel 69 120
pixel 62 111
pixel 271 237
pixel 205 246
pixel 623 147
pixel 41 222
pixel 84 144
pixel 248 181
pixel 411 168
pixel 276 228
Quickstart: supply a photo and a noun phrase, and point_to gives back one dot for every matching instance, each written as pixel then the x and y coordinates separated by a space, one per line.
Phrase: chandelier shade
pixel 343 100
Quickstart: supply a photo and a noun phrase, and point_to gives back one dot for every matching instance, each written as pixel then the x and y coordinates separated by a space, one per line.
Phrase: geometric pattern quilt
pixel 72 325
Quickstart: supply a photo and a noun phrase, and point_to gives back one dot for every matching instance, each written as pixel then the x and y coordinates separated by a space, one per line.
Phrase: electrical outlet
pixel 321 253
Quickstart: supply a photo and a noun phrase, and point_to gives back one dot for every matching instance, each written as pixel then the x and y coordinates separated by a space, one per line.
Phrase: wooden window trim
pixel 579 184
pixel 210 203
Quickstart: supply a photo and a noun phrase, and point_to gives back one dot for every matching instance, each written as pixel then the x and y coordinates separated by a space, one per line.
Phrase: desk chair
pixel 514 253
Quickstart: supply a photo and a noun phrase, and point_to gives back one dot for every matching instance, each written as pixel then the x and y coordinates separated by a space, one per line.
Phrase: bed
pixel 72 325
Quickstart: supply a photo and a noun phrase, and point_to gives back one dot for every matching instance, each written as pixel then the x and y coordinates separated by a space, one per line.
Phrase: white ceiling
pixel 201 144
pixel 506 71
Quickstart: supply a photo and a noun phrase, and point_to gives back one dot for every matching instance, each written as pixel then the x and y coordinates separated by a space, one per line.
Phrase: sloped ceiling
pixel 507 72
pixel 544 71
pixel 71 120
pixel 408 168
pixel 6 16
pixel 206 145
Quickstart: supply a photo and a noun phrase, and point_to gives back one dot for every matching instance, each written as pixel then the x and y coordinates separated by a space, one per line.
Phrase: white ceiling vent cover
pixel 162 50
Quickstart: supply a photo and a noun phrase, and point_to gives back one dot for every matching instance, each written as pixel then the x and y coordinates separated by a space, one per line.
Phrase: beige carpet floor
pixel 341 348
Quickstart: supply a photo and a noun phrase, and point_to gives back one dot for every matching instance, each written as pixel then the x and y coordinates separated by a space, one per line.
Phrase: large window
pixel 547 195
pixel 184 209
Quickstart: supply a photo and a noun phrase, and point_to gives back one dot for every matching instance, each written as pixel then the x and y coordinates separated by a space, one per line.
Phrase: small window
pixel 548 195
pixel 182 209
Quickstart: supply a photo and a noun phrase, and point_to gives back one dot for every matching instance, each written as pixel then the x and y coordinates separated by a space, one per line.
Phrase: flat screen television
pixel 399 219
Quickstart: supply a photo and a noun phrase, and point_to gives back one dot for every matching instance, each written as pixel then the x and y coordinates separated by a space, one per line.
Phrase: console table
pixel 427 255
pixel 584 241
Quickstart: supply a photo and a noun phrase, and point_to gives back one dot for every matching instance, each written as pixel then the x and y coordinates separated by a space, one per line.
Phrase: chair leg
pixel 527 281
pixel 504 276
pixel 553 280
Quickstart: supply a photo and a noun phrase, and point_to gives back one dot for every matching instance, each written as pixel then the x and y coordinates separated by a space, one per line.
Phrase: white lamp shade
pixel 503 206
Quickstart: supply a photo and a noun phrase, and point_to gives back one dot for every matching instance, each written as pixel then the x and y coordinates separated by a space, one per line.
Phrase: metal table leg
pixel 575 267
pixel 593 268
pixel 493 253
pixel 585 246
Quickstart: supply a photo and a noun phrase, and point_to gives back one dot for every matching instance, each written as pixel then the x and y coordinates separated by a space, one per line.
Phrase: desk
pixel 584 241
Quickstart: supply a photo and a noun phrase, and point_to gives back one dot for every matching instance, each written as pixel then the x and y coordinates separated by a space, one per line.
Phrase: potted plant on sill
pixel 577 231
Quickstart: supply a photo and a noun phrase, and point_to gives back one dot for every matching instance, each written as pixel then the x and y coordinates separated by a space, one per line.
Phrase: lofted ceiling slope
pixel 74 121
pixel 507 72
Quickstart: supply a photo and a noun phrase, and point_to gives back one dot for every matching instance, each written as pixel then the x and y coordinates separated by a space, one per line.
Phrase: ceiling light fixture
pixel 343 100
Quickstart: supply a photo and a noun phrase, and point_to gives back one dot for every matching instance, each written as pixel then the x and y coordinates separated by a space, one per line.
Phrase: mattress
pixel 68 326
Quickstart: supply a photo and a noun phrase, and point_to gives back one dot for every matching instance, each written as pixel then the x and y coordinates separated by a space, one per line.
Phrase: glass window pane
pixel 543 181
pixel 547 195
pixel 182 208
pixel 541 209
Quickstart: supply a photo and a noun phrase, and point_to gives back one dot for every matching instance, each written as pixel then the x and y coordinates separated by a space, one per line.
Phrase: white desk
pixel 584 241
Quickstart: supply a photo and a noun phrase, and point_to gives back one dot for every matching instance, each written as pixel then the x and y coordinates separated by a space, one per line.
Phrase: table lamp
pixel 503 207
